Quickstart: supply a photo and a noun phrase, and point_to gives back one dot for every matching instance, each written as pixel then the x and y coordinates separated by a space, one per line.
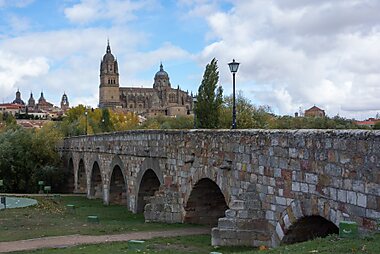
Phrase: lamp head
pixel 234 66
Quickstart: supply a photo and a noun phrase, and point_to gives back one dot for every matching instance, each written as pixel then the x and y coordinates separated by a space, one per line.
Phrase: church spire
pixel 108 46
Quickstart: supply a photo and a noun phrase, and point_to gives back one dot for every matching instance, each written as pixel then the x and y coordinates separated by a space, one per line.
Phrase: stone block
pixel 293 153
pixel 357 186
pixel 281 201
pixel 351 197
pixel 227 234
pixel 296 186
pixel 333 193
pixel 227 223
pixel 253 204
pixel 304 187
pixel 270 215
pixel 237 205
pixel 333 170
pixel 342 196
pixel 230 213
pixel 311 178
pixel 215 237
pixel 242 214
pixel 280 231
pixel 372 214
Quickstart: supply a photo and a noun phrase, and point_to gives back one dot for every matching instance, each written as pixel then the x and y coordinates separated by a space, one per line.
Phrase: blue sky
pixel 294 54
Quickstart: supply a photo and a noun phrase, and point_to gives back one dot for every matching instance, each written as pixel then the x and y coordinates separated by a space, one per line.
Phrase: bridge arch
pixel 70 175
pixel 96 181
pixel 149 179
pixel 300 222
pixel 206 203
pixel 117 185
pixel 81 176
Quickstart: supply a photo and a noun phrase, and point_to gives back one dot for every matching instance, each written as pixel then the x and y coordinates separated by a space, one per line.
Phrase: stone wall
pixel 270 179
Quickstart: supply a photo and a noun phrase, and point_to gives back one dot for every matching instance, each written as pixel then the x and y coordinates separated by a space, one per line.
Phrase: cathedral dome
pixel 161 73
pixel 108 56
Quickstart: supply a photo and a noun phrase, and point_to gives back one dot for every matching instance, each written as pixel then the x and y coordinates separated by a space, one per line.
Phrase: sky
pixel 293 54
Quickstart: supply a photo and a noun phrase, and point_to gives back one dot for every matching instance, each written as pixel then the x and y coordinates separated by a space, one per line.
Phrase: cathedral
pixel 162 99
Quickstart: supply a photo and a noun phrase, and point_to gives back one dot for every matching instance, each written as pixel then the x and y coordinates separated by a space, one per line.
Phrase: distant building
pixel 11 108
pixel 18 99
pixel 65 102
pixel 314 112
pixel 370 122
pixel 42 109
pixel 162 99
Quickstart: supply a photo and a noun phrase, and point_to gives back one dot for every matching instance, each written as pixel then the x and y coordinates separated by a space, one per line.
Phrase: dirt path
pixel 72 240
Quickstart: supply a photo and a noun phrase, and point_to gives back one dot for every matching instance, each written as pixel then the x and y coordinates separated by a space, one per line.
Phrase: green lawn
pixel 51 218
pixel 201 244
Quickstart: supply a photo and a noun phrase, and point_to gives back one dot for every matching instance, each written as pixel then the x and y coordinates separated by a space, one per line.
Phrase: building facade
pixel 314 112
pixel 40 108
pixel 162 99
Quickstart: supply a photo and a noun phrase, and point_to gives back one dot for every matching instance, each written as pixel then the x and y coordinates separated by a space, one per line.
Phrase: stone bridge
pixel 256 187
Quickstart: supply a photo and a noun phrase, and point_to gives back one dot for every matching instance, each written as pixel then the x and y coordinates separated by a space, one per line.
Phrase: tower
pixel 109 81
pixel 65 102
pixel 31 102
pixel 161 79
pixel 18 99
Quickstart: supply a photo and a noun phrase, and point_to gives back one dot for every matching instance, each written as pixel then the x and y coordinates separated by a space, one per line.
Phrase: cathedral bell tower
pixel 109 81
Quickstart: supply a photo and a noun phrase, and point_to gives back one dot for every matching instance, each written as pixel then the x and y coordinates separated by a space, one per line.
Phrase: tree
pixel 377 126
pixel 209 98
pixel 249 116
pixel 24 153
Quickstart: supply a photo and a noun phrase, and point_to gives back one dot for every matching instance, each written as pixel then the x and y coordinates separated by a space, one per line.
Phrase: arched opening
pixel 118 191
pixel 308 228
pixel 206 203
pixel 82 181
pixel 70 177
pixel 148 186
pixel 96 190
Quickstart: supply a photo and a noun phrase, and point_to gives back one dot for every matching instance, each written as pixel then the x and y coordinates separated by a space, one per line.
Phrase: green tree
pixel 107 124
pixel 377 126
pixel 23 153
pixel 209 98
pixel 248 115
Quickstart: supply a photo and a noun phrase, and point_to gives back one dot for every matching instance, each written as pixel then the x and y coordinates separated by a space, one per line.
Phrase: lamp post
pixel 86 113
pixel 234 66
pixel 195 117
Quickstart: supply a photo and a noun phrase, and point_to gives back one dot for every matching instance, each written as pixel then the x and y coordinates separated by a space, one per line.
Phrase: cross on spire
pixel 108 46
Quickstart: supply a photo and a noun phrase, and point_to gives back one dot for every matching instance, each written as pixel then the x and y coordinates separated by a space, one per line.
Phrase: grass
pixel 201 244
pixel 50 218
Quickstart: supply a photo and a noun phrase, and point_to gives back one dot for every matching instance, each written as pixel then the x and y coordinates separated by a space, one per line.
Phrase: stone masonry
pixel 269 179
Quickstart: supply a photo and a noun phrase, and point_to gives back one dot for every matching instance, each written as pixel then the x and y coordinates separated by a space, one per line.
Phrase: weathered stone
pixel 274 177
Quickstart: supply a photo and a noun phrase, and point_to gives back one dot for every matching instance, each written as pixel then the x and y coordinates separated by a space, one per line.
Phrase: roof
pixel 314 108
pixel 370 121
pixel 161 73
pixel 11 106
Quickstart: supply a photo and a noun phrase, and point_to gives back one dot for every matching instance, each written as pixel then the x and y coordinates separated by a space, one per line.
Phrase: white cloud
pixel 299 53
pixel 14 69
pixel 118 11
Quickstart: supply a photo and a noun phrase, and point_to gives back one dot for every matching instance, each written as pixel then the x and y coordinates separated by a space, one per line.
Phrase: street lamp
pixel 195 100
pixel 86 113
pixel 234 66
